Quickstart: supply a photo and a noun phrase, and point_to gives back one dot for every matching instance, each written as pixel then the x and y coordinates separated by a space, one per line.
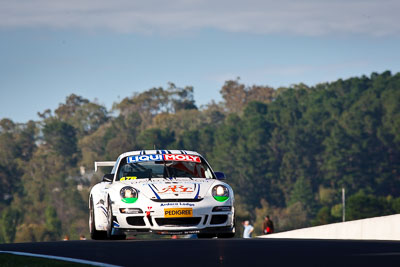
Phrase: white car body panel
pixel 156 196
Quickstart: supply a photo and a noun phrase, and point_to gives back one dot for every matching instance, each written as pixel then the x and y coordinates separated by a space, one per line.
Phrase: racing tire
pixel 229 235
pixel 226 235
pixel 206 235
pixel 110 225
pixel 94 234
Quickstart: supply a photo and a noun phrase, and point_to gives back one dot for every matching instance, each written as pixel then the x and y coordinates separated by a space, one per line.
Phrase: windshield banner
pixel 166 157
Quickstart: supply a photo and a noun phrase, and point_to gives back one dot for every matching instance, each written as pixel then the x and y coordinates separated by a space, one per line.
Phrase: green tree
pixel 362 205
pixel 156 101
pixel 323 216
pixel 53 223
pixel 156 138
pixel 61 137
pixel 85 116
pixel 9 220
pixel 302 192
pixel 236 95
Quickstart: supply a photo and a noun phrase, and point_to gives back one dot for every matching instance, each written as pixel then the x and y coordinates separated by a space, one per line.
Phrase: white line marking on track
pixel 95 263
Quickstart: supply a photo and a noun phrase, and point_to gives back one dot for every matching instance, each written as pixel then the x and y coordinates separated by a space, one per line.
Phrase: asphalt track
pixel 222 252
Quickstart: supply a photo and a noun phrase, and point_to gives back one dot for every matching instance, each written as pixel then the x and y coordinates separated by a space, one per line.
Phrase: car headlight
pixel 129 194
pixel 220 193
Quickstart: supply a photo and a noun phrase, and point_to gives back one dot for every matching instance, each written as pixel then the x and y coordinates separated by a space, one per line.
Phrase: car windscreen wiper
pixel 143 169
pixel 188 175
pixel 166 168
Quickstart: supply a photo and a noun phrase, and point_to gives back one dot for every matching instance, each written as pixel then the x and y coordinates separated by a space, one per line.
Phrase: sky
pixel 107 50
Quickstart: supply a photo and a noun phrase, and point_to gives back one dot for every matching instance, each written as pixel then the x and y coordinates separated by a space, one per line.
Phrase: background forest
pixel 287 152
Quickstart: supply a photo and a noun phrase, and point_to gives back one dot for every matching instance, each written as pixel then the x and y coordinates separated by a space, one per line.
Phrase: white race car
pixel 161 191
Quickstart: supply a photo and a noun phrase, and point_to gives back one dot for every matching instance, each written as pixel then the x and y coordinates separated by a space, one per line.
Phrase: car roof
pixel 158 151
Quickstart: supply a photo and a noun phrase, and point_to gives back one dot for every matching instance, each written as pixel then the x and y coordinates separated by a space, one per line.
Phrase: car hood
pixel 176 188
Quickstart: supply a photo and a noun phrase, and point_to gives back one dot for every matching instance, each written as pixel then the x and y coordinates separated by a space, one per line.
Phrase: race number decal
pixel 128 178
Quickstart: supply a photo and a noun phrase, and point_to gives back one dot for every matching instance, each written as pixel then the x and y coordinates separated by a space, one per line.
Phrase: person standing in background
pixel 268 225
pixel 248 229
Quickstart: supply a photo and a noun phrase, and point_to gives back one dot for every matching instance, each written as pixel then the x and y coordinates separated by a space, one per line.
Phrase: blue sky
pixel 108 50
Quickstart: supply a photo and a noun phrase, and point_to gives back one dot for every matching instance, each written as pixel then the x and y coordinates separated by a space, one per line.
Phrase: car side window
pixel 116 165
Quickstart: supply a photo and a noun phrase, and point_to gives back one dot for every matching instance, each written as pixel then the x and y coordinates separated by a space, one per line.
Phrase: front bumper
pixel 209 230
pixel 153 220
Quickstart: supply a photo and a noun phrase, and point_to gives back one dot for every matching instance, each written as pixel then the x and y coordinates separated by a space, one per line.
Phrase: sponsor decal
pixel 179 157
pixel 149 211
pixel 178 232
pixel 192 232
pixel 176 189
pixel 177 204
pixel 166 157
pixel 127 178
pixel 180 212
pixel 139 158
pixel 186 204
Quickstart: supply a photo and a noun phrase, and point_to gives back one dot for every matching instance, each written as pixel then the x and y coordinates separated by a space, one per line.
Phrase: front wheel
pixel 110 225
pixel 94 234
pixel 206 235
pixel 226 235
pixel 229 235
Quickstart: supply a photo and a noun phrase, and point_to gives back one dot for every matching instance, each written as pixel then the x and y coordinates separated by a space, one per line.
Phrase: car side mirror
pixel 220 175
pixel 108 177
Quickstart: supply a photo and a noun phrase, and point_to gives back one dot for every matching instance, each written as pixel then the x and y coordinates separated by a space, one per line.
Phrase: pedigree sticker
pixel 166 157
pixel 175 213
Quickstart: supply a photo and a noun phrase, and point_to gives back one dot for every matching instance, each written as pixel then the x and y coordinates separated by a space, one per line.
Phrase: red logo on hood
pixel 176 189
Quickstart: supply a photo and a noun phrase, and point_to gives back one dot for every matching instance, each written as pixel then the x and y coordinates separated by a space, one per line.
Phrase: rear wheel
pixel 94 234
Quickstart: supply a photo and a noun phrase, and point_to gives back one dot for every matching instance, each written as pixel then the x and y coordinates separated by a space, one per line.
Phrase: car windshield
pixel 162 169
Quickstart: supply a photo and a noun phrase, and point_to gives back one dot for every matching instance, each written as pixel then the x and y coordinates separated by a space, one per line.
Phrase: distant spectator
pixel 248 229
pixel 268 226
pixel 66 238
pixel 82 237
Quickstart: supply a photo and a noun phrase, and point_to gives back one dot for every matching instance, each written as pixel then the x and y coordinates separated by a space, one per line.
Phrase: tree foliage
pixel 286 152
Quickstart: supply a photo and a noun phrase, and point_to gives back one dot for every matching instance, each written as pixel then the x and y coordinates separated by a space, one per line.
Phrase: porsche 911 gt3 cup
pixel 163 192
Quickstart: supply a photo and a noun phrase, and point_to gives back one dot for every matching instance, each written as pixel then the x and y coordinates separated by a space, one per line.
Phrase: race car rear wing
pixel 103 164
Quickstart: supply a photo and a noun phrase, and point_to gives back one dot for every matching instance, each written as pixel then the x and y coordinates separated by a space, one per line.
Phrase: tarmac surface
pixel 222 252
